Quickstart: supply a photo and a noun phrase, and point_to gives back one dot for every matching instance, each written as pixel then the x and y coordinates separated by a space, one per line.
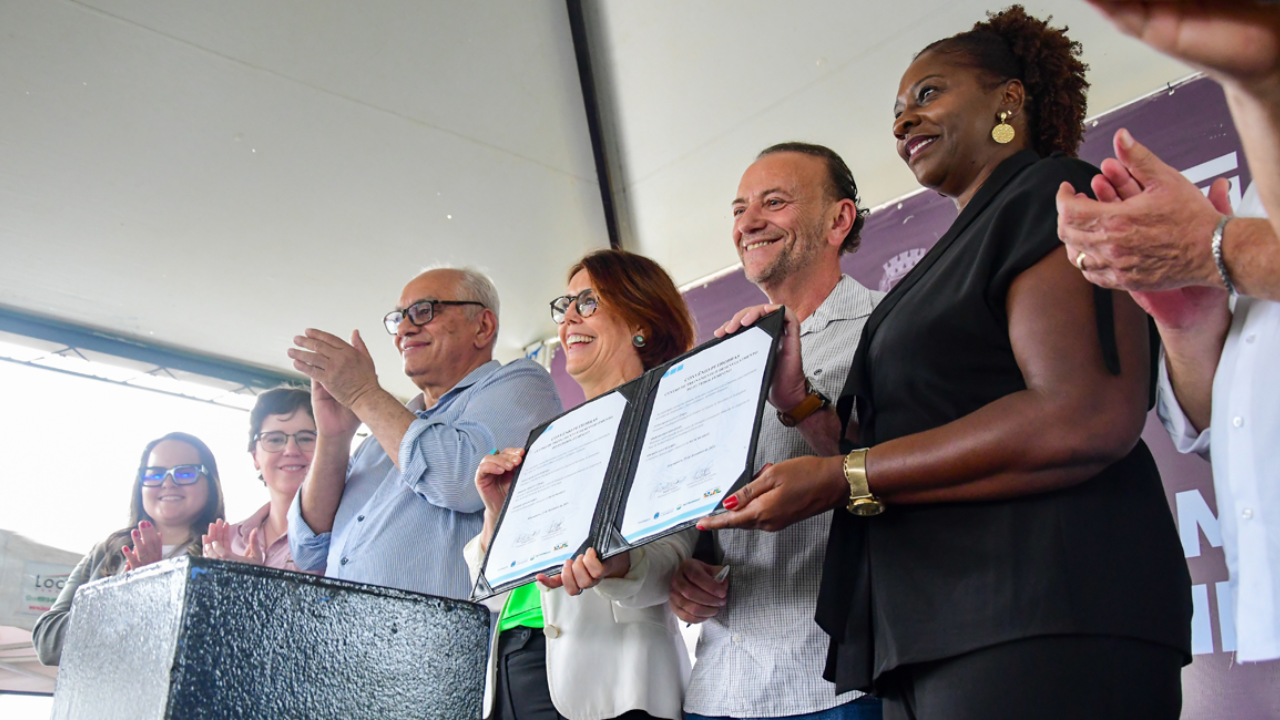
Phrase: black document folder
pixel 643 461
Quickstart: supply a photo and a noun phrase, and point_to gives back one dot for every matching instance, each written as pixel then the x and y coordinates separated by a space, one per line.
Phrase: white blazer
pixel 613 648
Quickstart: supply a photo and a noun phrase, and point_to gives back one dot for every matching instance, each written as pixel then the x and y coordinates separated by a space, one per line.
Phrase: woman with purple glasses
pixel 176 494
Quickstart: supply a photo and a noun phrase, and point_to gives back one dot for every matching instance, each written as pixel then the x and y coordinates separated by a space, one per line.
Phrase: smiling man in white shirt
pixel 761 654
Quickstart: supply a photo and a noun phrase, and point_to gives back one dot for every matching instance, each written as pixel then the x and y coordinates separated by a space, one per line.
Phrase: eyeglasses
pixel 419 313
pixel 586 303
pixel 276 441
pixel 181 474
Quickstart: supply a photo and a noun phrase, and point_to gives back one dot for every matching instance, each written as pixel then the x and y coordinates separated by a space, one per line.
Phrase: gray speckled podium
pixel 196 638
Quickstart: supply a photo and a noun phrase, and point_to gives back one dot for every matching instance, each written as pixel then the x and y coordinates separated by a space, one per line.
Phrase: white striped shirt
pixel 763 655
pixel 406 529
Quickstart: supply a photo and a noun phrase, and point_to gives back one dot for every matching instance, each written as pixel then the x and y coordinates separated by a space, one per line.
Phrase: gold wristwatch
pixel 813 401
pixel 861 501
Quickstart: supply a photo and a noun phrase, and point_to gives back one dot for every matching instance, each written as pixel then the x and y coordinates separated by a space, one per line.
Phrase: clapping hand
pixel 1145 233
pixel 586 571
pixel 147 548
pixel 345 369
pixel 333 419
pixel 217 545
pixel 1149 228
pixel 1196 306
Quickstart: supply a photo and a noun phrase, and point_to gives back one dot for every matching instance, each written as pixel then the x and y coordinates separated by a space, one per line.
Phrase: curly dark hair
pixel 1014 45
pixel 841 184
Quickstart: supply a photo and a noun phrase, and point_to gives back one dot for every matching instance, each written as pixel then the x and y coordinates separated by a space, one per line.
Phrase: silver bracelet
pixel 1218 233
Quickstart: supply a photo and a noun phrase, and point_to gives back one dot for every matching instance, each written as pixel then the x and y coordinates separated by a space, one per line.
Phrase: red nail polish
pixel 731 502
pixel 145 523
pixel 699 526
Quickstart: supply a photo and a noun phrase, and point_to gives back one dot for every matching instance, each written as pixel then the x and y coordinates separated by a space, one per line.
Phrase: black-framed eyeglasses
pixel 275 441
pixel 585 302
pixel 181 474
pixel 419 313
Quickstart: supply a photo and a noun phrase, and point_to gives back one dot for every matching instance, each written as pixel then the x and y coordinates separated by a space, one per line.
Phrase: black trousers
pixel 1045 678
pixel 521 691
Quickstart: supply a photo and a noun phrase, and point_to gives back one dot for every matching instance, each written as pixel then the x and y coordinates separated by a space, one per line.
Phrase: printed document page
pixel 700 431
pixel 549 514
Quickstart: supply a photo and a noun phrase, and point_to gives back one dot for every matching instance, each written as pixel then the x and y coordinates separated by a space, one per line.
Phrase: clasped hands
pixel 1148 233
pixel 341 375
pixel 493 481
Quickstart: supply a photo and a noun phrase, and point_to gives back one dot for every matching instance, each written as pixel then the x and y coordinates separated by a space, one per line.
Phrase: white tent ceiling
pixel 218 176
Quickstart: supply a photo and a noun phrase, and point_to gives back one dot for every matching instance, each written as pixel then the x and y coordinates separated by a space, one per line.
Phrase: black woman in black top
pixel 1027 564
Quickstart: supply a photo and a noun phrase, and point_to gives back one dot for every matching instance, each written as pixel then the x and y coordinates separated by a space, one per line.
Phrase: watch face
pixel 866 507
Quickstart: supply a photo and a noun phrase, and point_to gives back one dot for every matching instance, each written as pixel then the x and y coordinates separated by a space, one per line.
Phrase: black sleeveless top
pixel 925 582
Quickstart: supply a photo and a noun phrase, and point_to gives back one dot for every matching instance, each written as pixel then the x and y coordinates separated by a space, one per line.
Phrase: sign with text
pixel 41 583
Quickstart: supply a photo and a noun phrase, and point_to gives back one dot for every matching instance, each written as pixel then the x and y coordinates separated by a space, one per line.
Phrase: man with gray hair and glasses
pixel 398 512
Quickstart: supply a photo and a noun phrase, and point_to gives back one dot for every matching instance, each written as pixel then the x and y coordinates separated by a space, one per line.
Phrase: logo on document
pixel 673 370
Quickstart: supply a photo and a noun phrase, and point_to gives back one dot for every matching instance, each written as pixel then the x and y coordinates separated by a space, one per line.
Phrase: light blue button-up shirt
pixel 407 529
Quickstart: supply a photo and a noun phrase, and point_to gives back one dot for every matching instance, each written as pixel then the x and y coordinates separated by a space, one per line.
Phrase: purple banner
pixel 1190 127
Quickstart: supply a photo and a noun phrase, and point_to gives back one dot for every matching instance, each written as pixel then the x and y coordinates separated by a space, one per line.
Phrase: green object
pixel 522 609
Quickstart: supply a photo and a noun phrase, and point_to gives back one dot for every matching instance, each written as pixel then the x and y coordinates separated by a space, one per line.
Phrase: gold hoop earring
pixel 1003 133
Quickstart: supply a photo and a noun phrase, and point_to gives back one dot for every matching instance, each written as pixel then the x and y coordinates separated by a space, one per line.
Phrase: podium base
pixel 197 638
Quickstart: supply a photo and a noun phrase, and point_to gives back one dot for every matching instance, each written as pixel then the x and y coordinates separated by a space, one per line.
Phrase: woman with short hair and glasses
pixel 282 441
pixel 599 640
pixel 176 493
